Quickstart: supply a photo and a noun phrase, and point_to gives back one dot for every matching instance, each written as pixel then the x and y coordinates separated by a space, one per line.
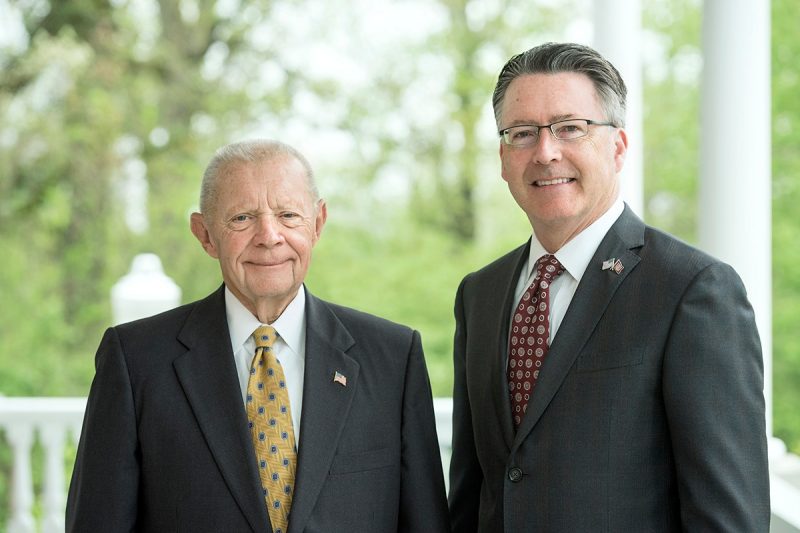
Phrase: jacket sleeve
pixel 713 385
pixel 423 506
pixel 466 476
pixel 103 491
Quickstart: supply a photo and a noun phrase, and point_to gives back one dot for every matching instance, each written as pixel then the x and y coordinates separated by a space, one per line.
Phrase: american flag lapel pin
pixel 340 378
pixel 613 264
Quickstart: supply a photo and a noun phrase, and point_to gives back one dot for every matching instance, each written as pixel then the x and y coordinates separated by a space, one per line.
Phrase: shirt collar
pixel 576 254
pixel 242 323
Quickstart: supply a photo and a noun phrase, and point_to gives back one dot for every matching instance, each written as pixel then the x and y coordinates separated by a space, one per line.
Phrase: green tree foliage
pixel 450 156
pixel 671 115
pixel 105 103
pixel 785 222
pixel 100 91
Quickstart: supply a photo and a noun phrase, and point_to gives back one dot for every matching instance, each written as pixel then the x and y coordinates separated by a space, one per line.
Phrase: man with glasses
pixel 608 377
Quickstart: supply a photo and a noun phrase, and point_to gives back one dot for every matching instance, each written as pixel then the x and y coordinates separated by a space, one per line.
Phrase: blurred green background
pixel 109 111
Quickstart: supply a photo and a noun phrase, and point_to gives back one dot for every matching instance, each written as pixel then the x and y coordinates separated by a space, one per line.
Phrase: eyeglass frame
pixel 502 133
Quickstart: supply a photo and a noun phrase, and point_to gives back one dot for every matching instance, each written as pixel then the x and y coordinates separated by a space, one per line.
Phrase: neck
pixel 268 316
pixel 267 310
pixel 554 234
pixel 553 237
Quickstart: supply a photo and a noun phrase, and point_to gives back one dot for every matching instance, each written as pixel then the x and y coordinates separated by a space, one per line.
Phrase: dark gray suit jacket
pixel 648 414
pixel 165 444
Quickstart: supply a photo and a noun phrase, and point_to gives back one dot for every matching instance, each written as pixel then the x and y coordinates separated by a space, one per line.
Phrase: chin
pixel 272 290
pixel 553 213
pixel 565 206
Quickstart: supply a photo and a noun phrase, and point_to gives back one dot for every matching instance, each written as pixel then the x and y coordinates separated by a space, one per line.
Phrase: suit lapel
pixel 499 381
pixel 207 374
pixel 325 404
pixel 594 293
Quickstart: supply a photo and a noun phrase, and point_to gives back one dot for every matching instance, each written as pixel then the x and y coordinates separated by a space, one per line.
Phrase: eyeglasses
pixel 563 130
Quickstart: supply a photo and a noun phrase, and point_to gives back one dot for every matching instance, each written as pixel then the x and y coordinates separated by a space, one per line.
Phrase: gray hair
pixel 252 151
pixel 552 58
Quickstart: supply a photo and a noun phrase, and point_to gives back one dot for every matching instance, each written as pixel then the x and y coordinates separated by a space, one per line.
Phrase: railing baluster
pixel 53 438
pixel 20 436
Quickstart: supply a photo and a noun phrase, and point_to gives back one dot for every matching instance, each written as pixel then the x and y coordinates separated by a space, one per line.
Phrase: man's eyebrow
pixel 559 118
pixel 552 120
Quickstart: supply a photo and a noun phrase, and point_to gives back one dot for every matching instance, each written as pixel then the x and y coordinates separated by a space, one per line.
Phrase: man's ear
pixel 200 230
pixel 319 220
pixel 620 148
pixel 502 162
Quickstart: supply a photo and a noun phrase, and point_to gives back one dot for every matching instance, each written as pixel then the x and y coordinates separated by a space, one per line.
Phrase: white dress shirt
pixel 289 348
pixel 575 257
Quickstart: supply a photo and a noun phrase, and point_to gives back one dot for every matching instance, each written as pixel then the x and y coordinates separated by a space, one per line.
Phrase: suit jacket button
pixel 515 474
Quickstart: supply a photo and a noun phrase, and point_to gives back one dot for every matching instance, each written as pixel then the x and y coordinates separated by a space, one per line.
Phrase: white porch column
pixel 617 35
pixel 735 169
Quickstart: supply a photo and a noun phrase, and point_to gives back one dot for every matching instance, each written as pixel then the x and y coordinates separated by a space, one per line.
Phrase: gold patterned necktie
pixel 270 421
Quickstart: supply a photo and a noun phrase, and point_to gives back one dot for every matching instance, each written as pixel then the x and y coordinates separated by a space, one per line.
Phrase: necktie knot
pixel 548 268
pixel 265 336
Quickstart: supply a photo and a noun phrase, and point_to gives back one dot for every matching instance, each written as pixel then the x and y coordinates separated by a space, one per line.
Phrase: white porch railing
pixel 54 420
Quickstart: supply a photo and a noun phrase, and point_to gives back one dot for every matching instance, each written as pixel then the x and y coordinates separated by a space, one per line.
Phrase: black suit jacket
pixel 648 413
pixel 165 444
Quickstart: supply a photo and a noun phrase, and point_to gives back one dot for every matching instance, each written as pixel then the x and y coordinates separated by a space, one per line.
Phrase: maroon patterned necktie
pixel 529 336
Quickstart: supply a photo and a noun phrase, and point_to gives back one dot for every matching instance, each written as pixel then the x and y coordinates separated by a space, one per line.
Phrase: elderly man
pixel 260 407
pixel 608 377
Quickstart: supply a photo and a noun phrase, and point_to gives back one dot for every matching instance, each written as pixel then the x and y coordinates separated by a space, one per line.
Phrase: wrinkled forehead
pixel 279 182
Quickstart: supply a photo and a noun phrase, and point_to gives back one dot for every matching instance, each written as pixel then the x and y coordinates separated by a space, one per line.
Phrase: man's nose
pixel 547 148
pixel 268 230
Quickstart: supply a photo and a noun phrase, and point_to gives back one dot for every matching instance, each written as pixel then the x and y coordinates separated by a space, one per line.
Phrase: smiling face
pixel 262 227
pixel 563 186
